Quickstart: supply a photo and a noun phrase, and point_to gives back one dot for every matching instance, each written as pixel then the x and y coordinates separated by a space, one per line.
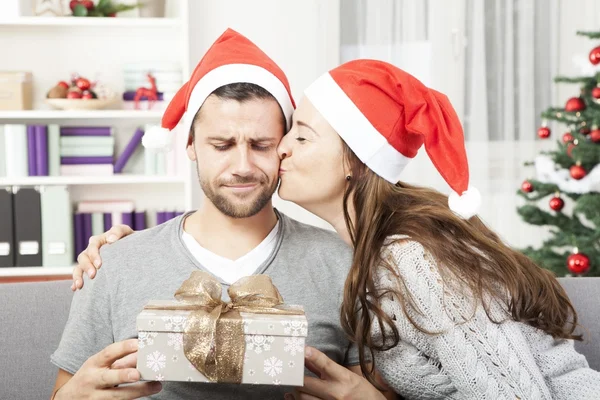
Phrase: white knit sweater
pixel 477 359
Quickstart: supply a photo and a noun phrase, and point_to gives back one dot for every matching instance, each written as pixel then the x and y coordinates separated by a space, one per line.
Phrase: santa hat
pixel 232 58
pixel 385 114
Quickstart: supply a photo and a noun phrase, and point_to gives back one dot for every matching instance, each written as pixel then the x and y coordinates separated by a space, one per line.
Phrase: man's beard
pixel 233 209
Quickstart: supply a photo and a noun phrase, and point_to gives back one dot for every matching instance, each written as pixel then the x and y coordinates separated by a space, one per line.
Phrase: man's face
pixel 235 150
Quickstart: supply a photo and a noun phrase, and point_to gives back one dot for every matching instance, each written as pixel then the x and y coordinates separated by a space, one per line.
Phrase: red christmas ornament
pixel 595 55
pixel 63 84
pixel 527 187
pixel 567 138
pixel 83 84
pixel 543 132
pixel 570 148
pixel 74 95
pixel 87 95
pixel 595 136
pixel 578 263
pixel 556 203
pixel 596 92
pixel 585 130
pixel 577 172
pixel 575 104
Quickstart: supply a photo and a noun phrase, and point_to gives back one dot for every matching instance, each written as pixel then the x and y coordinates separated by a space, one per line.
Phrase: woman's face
pixel 312 169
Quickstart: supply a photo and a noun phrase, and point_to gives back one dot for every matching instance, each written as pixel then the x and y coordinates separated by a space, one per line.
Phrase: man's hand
pixel 100 374
pixel 335 382
pixel 89 260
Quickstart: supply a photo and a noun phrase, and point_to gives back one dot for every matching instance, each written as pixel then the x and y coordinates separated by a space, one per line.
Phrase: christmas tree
pixel 569 173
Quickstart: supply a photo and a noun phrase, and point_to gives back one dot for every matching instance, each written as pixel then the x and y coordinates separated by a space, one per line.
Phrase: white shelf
pixel 84 114
pixel 34 271
pixel 93 22
pixel 90 180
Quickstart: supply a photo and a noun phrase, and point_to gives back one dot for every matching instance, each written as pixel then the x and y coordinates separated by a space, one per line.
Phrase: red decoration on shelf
pixel 151 94
pixel 595 55
pixel 527 187
pixel 578 263
pixel 575 104
pixel 556 203
pixel 567 138
pixel 577 172
pixel 83 84
pixel 543 132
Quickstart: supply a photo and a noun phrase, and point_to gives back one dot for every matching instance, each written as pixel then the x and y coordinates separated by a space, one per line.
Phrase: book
pixel 107 221
pixel 57 226
pixel 15 150
pixel 97 223
pixel 85 160
pixel 127 219
pixel 78 233
pixel 133 144
pixel 95 151
pixel 2 151
pixel 53 150
pixel 85 131
pixel 31 151
pixel 87 141
pixel 86 170
pixel 139 220
pixel 41 150
pixel 105 206
pixel 150 162
pixel 87 228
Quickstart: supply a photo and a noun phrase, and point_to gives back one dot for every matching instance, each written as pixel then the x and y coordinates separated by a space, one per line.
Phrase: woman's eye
pixel 300 139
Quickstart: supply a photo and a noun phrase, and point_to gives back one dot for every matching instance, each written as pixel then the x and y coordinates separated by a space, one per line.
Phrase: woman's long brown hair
pixel 466 250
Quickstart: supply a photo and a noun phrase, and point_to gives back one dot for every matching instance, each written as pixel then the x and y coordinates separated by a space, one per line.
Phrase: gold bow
pixel 213 337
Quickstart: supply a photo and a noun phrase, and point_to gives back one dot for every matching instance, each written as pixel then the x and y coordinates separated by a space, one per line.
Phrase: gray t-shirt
pixel 308 266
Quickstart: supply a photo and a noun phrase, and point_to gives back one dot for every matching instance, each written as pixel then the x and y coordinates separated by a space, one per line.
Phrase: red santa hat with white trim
pixel 385 115
pixel 232 58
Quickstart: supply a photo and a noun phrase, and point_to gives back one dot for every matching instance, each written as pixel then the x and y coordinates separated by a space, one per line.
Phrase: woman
pixel 446 309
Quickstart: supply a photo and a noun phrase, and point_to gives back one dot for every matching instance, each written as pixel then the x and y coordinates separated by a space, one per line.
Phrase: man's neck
pixel 229 237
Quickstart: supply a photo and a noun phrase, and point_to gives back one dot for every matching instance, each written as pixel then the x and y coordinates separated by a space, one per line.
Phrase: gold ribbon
pixel 213 337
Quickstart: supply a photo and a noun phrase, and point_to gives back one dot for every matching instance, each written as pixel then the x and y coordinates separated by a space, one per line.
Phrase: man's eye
pixel 222 147
pixel 261 148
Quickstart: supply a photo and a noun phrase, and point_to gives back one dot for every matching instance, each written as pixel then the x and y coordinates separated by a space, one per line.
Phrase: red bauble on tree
pixel 527 187
pixel 543 132
pixel 556 203
pixel 578 263
pixel 595 55
pixel 596 92
pixel 585 130
pixel 595 136
pixel 567 138
pixel 575 104
pixel 577 172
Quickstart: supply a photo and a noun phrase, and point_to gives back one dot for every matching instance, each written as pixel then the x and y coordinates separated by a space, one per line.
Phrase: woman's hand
pixel 89 259
pixel 335 382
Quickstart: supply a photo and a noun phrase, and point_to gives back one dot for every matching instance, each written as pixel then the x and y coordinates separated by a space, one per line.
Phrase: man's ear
pixel 191 151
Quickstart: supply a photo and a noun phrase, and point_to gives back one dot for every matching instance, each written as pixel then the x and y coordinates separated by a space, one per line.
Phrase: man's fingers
pixel 136 391
pixel 113 352
pixel 129 361
pixel 317 387
pixel 321 365
pixel 109 378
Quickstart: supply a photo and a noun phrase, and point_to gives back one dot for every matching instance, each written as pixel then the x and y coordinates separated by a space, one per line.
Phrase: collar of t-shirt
pixel 232 270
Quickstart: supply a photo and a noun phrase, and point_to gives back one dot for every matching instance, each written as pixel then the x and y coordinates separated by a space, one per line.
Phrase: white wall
pixel 301 36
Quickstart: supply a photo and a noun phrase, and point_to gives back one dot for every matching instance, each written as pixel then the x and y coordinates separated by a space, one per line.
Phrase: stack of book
pixel 29 150
pixel 86 150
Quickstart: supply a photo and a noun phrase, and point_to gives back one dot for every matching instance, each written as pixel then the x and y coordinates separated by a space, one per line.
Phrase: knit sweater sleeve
pixel 483 359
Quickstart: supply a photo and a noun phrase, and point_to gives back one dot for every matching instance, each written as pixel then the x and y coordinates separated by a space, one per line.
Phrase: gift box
pixel 16 90
pixel 253 339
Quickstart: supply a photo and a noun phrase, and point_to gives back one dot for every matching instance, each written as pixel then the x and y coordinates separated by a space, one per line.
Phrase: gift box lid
pixel 156 320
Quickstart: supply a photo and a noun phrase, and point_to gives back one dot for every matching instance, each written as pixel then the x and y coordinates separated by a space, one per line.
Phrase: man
pixel 237 106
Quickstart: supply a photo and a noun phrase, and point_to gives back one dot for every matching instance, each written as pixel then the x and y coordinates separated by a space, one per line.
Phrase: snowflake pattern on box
pixel 156 361
pixel 146 339
pixel 273 366
pixel 174 323
pixel 259 343
pixel 295 328
pixel 293 345
pixel 159 378
pixel 175 340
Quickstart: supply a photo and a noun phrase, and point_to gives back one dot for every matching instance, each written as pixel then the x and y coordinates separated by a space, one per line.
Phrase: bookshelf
pixel 52 48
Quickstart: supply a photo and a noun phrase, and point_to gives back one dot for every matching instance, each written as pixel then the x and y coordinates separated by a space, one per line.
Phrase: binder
pixel 7 243
pixel 28 227
pixel 57 227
